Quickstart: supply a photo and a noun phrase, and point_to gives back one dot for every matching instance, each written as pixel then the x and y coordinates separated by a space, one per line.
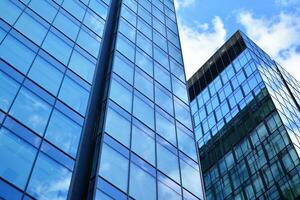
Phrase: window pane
pixel 16 53
pixel 12 15
pixel 167 162
pixel 142 184
pixel 143 143
pixel 63 132
pixel 117 125
pixel 144 43
pixel 45 8
pixel 125 47
pixel 46 75
pixel 94 22
pixel 182 113
pixel 76 8
pixel 114 167
pixel 164 99
pixel 123 67
pixel 144 62
pixel 89 42
pixel 162 76
pixel 31 110
pixel 161 57
pixel 126 29
pixel 99 7
pixel 82 66
pixel 17 157
pixel 143 83
pixel 74 95
pixel 186 142
pixel 8 91
pixel 165 126
pixel 67 24
pixel 56 46
pixel 190 178
pixel 49 179
pixel 179 89
pixel 143 110
pixel 164 192
pixel 26 23
pixel 121 93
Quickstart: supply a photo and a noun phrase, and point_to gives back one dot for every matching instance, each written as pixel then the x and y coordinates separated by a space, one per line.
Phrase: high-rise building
pixel 245 107
pixel 93 102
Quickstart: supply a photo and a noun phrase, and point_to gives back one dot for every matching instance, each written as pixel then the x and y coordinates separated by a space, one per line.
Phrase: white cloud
pixel 183 3
pixel 286 2
pixel 278 36
pixel 198 45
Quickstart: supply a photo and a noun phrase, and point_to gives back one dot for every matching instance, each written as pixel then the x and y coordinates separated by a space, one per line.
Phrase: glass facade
pixel 245 108
pixel 51 54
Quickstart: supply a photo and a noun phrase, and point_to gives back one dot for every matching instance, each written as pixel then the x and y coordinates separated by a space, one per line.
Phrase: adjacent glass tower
pixel 245 108
pixel 93 102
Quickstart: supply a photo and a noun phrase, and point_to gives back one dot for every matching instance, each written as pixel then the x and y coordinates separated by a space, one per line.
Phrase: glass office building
pixel 245 107
pixel 93 102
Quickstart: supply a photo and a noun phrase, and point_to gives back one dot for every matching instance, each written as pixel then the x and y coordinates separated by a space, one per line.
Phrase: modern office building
pixel 93 102
pixel 245 108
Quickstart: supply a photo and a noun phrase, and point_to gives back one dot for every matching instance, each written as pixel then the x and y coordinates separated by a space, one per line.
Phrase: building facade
pixel 93 102
pixel 245 107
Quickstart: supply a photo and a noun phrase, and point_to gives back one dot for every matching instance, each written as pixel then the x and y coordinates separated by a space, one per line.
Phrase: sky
pixel 204 25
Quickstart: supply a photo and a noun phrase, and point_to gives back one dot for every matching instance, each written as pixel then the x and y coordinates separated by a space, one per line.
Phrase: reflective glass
pixel 49 179
pixel 143 143
pixel 76 8
pixel 142 185
pixel 63 132
pixel 16 53
pixel 26 23
pixel 89 42
pixel 144 62
pixel 164 99
pixel 56 46
pixel 167 162
pixel 144 43
pixel 121 93
pixel 161 57
pixel 125 47
pixel 44 8
pixel 17 157
pixel 143 110
pixel 143 83
pixel 74 95
pixel 162 76
pixel 13 14
pixel 179 89
pixel 94 22
pixel 82 66
pixel 123 67
pixel 114 167
pixel 165 126
pixel 67 24
pixel 8 90
pixel 127 29
pixel 31 110
pixel 99 7
pixel 182 113
pixel 165 192
pixel 117 125
pixel 186 142
pixel 46 75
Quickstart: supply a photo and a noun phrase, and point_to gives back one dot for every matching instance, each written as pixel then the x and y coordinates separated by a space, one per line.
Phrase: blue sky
pixel 274 25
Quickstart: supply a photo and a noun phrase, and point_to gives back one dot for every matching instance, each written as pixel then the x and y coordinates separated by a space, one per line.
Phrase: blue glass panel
pixel 160 40
pixel 31 110
pixel 191 178
pixel 144 28
pixel 16 53
pixel 125 47
pixel 131 4
pixel 143 142
pixel 182 113
pixel 9 192
pixel 13 14
pixel 144 43
pixel 57 46
pixel 179 89
pixel 143 83
pixel 94 22
pixel 74 95
pixel 164 99
pixel 8 90
pixel 126 29
pixel 185 142
pixel 114 167
pixel 99 7
pixel 44 8
pixel 89 42
pixel 121 93
pixel 117 125
pixel 81 65
pixel 17 158
pixel 28 22
pixel 161 57
pixel 177 70
pixel 165 192
pixel 143 109
pixel 144 61
pixel 142 185
pixel 127 14
pixel 102 196
pixel 67 24
pixel 76 8
pixel 144 14
pixel 123 67
pixel 49 179
pixel 167 162
pixel 46 75
pixel 63 132
pixel 162 76
pixel 165 126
